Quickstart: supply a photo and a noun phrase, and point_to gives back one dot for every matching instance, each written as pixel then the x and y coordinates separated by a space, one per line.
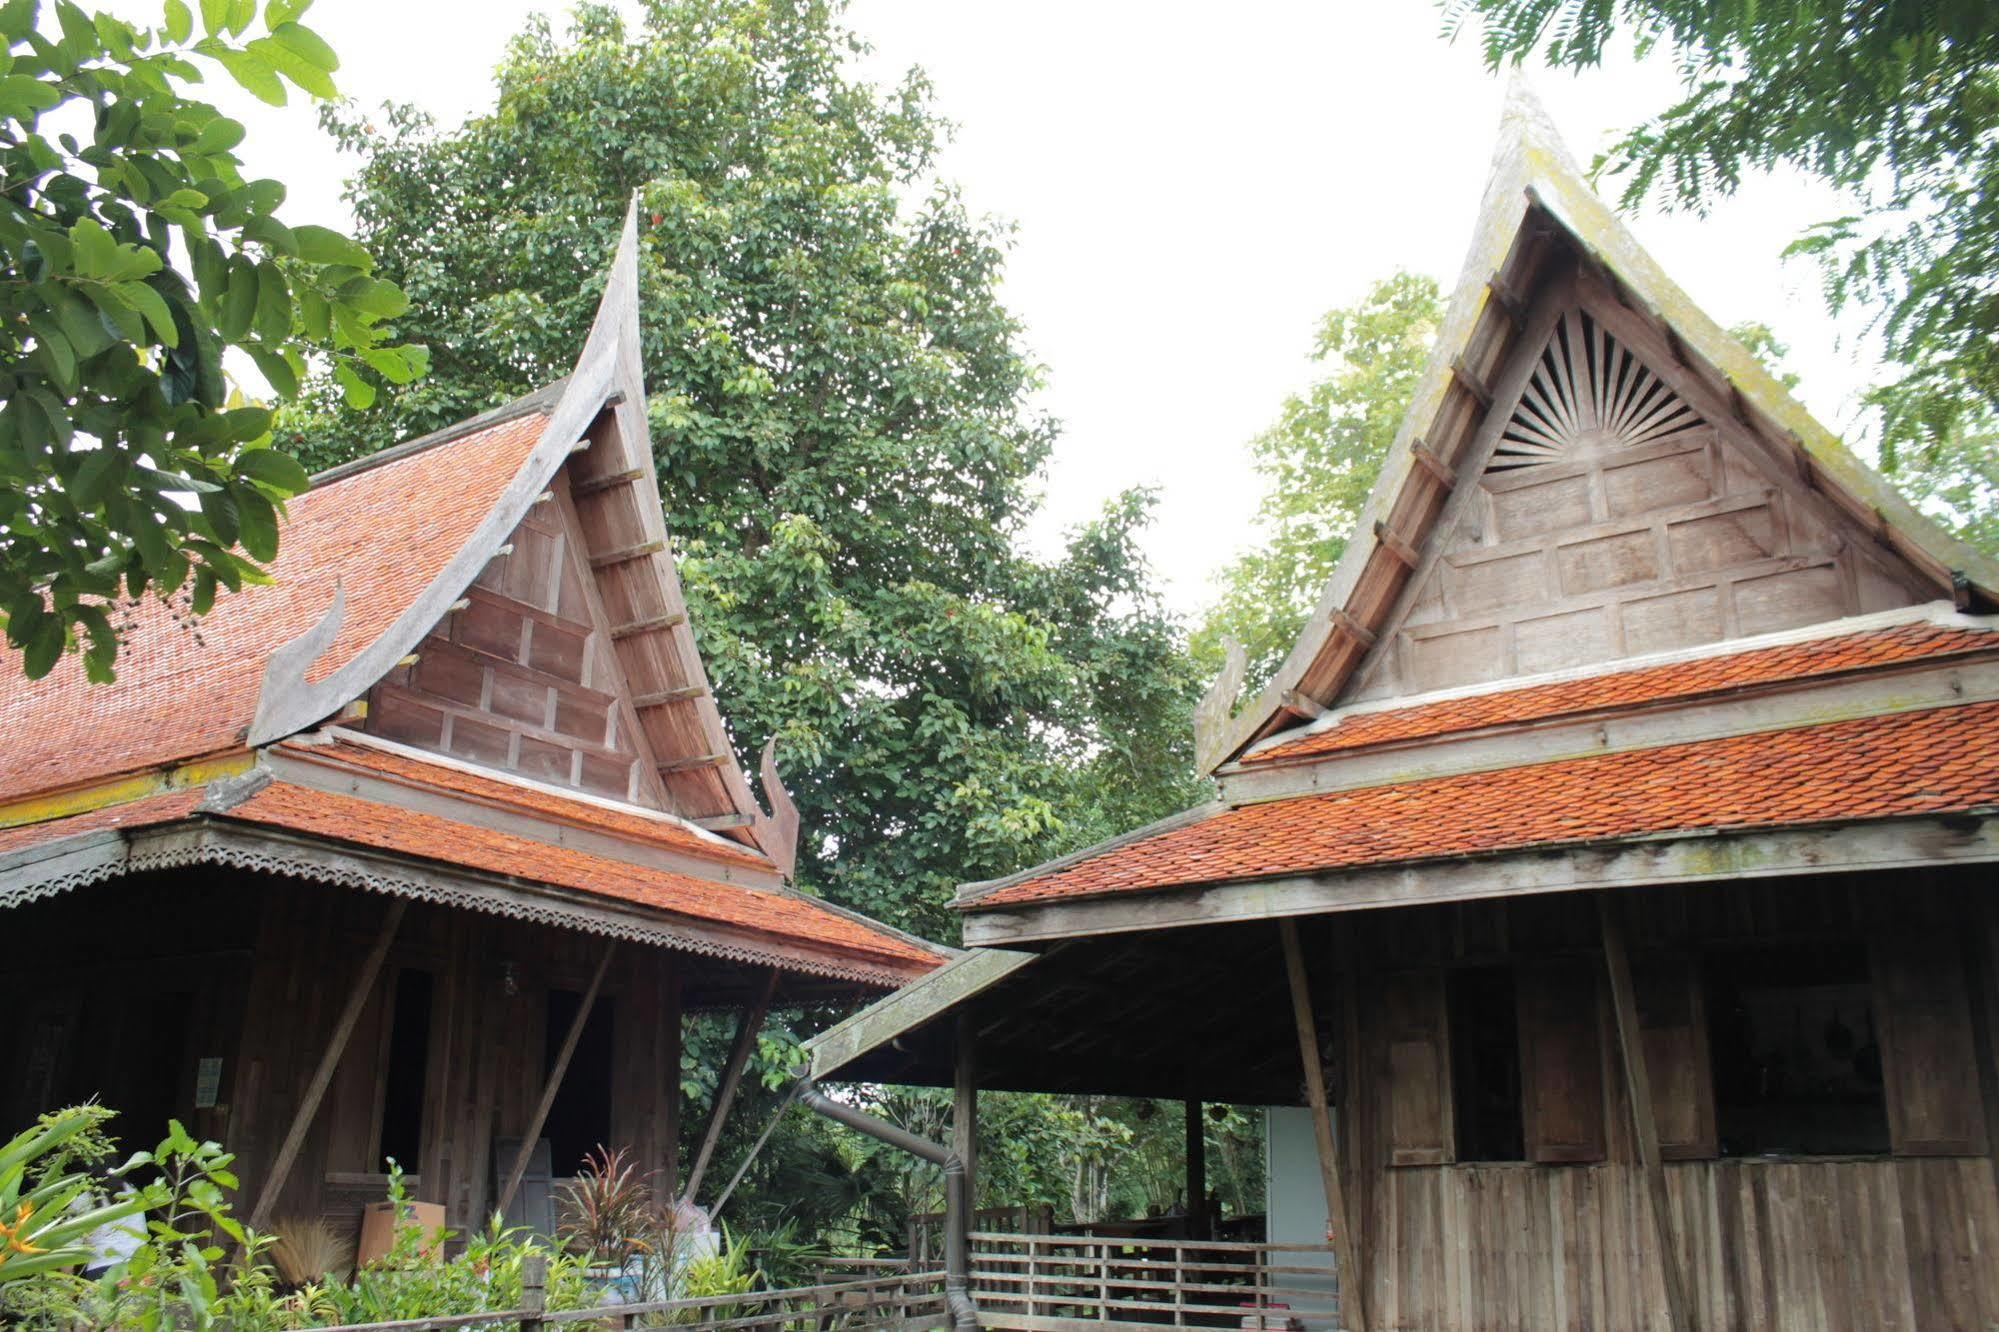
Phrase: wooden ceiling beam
pixel 679 695
pixel 670 620
pixel 626 554
pixel 694 762
pixel 609 481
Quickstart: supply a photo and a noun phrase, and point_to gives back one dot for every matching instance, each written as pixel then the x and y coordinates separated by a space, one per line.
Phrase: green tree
pixel 838 415
pixel 1897 104
pixel 135 255
pixel 1319 462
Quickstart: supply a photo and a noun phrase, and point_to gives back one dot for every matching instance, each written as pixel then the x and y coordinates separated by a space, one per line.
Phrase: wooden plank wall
pixel 486 1048
pixel 255 970
pixel 1900 1242
pixel 1890 1244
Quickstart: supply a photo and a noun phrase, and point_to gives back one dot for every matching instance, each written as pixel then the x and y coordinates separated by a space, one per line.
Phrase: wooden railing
pixel 902 1301
pixel 1062 1283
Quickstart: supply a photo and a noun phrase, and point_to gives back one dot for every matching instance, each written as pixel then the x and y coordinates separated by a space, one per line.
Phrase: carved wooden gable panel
pixel 520 676
pixel 1611 519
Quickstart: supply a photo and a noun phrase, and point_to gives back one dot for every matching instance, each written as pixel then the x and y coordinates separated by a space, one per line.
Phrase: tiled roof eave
pixel 1492 857
pixel 65 864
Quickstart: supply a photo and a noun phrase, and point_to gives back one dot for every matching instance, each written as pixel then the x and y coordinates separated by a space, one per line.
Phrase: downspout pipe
pixel 957 1195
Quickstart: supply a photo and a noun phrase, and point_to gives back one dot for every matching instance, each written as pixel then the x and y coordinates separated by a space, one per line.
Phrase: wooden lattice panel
pixel 1589 395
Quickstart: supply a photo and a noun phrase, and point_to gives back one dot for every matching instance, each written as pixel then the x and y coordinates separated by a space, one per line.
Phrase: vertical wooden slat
pixel 965 1107
pixel 1197 1169
pixel 553 1083
pixel 1352 1308
pixel 329 1060
pixel 732 1077
pixel 1631 1049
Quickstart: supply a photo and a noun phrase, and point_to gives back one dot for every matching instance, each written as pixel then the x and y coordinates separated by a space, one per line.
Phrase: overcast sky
pixel 1192 184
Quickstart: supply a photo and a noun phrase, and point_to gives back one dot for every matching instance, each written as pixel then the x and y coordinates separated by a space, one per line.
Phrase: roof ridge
pixel 536 400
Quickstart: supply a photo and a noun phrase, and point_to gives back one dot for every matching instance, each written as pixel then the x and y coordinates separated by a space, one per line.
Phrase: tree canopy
pixel 839 410
pixel 1897 103
pixel 1319 461
pixel 135 254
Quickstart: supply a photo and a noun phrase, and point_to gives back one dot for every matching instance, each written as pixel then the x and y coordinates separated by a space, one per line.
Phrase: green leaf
pixel 373 297
pixel 275 369
pixel 322 245
pixel 40 655
pixel 359 393
pixel 214 14
pixel 254 73
pixel 23 97
pixel 274 468
pixel 273 233
pixel 274 303
pixel 150 304
pixel 257 521
pixel 240 307
pixel 180 21
pixel 217 136
pixel 94 476
pixel 218 506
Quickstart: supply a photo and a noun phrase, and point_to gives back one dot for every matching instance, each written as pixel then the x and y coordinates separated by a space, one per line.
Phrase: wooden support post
pixel 553 1083
pixel 534 1291
pixel 1981 973
pixel 1198 1219
pixel 1638 1087
pixel 1352 1302
pixel 965 1108
pixel 329 1060
pixel 732 1077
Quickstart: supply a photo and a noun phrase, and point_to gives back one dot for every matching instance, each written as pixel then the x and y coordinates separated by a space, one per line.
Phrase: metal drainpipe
pixel 957 1201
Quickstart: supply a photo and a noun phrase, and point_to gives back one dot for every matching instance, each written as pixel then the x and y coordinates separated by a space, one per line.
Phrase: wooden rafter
pixel 1352 1283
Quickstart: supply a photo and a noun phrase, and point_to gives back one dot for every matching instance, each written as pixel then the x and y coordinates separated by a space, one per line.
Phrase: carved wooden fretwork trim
pixel 1589 394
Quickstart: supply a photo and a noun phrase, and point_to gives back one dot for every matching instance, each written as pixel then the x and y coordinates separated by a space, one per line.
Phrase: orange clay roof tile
pixel 498 791
pixel 162 807
pixel 1674 682
pixel 187 688
pixel 781 916
pixel 432 837
pixel 1937 761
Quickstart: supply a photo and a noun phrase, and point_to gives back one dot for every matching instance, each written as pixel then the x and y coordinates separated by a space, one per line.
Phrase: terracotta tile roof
pixel 1937 761
pixel 384 532
pixel 1674 682
pixel 495 790
pixel 783 916
pixel 779 916
pixel 163 807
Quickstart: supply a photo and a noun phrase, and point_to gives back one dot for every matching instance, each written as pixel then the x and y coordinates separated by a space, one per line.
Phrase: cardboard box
pixel 378 1221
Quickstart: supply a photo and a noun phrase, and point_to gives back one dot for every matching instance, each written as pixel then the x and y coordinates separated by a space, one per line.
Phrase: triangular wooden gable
pixel 1590 470
pixel 557 646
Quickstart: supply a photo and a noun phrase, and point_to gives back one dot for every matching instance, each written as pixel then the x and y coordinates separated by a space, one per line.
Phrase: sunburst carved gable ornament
pixel 1589 395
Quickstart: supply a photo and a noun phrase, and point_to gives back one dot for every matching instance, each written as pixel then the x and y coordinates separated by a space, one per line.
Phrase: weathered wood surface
pixel 1644 1119
pixel 1330 1178
pixel 1059 1282
pixel 552 1083
pixel 358 994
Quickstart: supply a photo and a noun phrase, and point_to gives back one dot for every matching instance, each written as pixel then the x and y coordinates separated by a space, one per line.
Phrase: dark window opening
pixel 1485 1064
pixel 1797 1061
pixel 409 1058
pixel 580 1120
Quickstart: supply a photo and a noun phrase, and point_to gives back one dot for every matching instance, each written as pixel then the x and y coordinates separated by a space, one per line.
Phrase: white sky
pixel 1193 186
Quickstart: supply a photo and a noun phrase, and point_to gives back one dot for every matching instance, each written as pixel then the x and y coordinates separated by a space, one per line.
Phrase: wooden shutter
pixel 1561 1061
pixel 1673 1018
pixel 1418 1087
pixel 1928 1061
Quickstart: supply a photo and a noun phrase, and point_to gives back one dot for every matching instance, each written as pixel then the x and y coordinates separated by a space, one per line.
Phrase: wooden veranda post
pixel 553 1083
pixel 329 1060
pixel 1638 1087
pixel 1198 1220
pixel 1353 1311
pixel 965 1107
pixel 732 1077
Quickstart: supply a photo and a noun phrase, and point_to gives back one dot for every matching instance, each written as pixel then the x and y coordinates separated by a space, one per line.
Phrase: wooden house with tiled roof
pixel 1605 881
pixel 423 850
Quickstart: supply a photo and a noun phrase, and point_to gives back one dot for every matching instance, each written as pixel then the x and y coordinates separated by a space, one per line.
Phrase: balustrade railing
pixel 1062 1283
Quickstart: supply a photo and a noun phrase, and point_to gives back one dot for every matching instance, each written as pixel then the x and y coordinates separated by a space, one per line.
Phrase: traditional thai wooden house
pixel 421 852
pixel 1608 867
